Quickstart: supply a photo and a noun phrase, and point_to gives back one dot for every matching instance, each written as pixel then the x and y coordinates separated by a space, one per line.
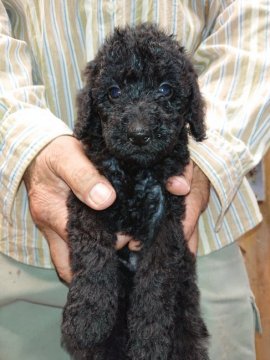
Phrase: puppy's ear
pixel 195 116
pixel 88 123
pixel 84 105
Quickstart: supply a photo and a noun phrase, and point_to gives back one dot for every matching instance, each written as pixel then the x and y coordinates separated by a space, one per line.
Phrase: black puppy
pixel 140 102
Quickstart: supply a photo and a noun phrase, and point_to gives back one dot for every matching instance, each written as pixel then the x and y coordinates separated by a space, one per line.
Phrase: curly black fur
pixel 140 101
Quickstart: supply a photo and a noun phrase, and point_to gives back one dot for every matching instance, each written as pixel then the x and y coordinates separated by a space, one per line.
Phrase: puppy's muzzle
pixel 138 134
pixel 139 138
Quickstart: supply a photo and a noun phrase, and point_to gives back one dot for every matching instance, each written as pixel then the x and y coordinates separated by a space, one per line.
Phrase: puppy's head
pixel 141 94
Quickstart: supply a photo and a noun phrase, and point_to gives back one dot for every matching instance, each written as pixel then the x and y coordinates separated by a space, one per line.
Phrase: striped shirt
pixel 44 45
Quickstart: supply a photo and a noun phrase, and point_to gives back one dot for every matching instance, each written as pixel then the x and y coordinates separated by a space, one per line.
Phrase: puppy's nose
pixel 139 137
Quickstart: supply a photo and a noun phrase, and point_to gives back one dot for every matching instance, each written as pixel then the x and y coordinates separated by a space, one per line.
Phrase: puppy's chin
pixel 140 157
pixel 138 160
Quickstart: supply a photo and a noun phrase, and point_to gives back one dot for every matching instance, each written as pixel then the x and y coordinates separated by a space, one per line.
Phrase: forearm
pixel 26 124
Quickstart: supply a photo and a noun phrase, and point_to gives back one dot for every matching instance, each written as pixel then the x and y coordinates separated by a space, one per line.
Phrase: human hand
pixel 59 167
pixel 196 201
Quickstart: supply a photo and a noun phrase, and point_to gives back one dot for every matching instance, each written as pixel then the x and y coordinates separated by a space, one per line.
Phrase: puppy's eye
pixel 114 92
pixel 165 89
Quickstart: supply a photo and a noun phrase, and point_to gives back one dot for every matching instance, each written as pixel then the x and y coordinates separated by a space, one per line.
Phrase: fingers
pixel 48 208
pixel 80 174
pixel 123 240
pixel 52 223
pixel 180 185
pixel 193 241
pixel 196 202
pixel 135 245
pixel 59 251
pixel 192 215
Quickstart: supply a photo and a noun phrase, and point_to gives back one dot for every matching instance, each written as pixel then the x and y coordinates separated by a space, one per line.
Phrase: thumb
pixel 180 185
pixel 68 161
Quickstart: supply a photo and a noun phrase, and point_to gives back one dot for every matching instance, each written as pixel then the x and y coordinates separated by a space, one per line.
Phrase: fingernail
pixel 100 193
pixel 179 180
pixel 183 181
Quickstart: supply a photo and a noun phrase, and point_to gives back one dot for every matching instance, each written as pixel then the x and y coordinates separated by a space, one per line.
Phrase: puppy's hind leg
pixel 191 336
pixel 151 318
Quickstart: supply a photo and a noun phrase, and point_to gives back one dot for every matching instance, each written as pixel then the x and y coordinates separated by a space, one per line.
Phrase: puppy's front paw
pixel 90 313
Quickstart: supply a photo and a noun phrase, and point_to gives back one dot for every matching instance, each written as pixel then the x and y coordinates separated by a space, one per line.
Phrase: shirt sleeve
pixel 234 74
pixel 26 124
